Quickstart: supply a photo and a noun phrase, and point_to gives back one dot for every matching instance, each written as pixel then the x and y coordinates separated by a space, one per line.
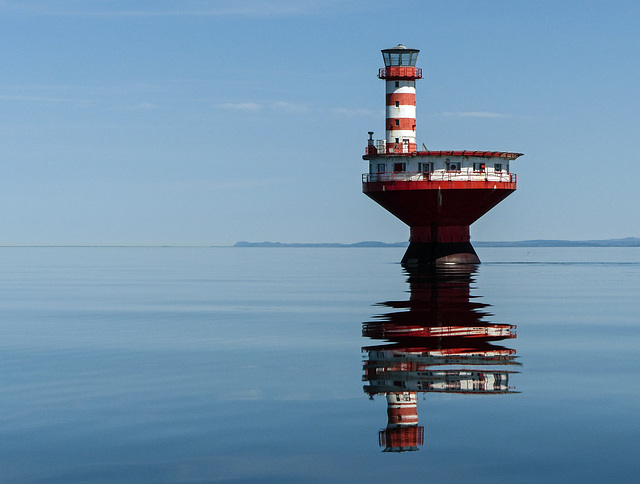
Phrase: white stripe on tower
pixel 401 115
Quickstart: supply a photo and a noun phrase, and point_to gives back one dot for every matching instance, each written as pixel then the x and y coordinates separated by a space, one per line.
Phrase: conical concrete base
pixel 424 254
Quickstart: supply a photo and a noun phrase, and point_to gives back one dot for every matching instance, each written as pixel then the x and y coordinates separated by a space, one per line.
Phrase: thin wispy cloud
pixel 476 114
pixel 355 112
pixel 137 107
pixel 158 8
pixel 33 98
pixel 290 108
pixel 282 107
pixel 77 103
pixel 243 107
pixel 222 185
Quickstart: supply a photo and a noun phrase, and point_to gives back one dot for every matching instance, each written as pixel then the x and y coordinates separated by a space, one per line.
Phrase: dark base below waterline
pixel 425 254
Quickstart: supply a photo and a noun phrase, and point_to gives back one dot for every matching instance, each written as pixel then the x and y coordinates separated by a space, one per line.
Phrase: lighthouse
pixel 438 194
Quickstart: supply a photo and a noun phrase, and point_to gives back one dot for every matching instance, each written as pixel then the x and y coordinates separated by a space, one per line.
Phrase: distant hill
pixel 330 244
pixel 626 242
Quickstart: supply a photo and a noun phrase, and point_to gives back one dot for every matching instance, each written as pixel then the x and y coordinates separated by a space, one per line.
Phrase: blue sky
pixel 208 122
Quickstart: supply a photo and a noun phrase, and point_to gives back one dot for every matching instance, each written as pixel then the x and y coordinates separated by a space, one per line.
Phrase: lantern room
pixel 400 56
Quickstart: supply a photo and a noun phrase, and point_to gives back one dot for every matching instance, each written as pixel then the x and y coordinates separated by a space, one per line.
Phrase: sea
pixel 272 365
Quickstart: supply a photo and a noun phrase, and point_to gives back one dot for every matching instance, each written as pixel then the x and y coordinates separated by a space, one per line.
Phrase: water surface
pixel 246 364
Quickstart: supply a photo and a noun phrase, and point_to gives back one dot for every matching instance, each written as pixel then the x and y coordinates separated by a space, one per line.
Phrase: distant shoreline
pixel 625 242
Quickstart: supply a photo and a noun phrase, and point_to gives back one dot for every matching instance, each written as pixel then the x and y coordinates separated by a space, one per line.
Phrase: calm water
pixel 275 365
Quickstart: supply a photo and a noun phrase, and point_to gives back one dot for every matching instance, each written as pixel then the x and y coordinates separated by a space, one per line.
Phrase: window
pixel 397 104
pixel 397 122
pixel 498 167
pixel 478 167
pixel 399 167
pixel 397 83
pixel 400 58
pixel 381 167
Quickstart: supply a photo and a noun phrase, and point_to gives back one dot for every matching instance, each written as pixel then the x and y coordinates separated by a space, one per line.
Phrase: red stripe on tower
pixel 396 98
pixel 401 124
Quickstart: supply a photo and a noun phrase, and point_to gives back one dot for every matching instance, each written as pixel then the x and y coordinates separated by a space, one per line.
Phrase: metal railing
pixel 400 72
pixel 440 175
pixel 399 149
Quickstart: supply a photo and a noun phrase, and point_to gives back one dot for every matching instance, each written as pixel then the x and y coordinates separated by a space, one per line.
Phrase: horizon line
pixel 244 244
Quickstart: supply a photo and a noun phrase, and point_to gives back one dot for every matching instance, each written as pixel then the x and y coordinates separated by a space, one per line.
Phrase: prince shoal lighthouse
pixel 438 194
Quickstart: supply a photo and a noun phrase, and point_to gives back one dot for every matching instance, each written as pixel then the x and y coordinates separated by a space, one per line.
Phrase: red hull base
pixel 439 214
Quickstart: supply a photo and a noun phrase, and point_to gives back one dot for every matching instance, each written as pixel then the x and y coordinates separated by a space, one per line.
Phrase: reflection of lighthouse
pixel 437 342
pixel 403 432
pixel 439 194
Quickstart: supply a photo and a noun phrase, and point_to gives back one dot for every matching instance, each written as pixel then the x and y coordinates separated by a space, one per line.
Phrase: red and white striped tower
pixel 400 74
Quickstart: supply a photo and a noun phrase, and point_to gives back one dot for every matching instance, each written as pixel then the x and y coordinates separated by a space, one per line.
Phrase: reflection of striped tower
pixel 402 433
pixel 400 74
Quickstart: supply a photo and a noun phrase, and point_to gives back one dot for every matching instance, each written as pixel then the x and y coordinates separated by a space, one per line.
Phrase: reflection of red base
pixel 401 439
